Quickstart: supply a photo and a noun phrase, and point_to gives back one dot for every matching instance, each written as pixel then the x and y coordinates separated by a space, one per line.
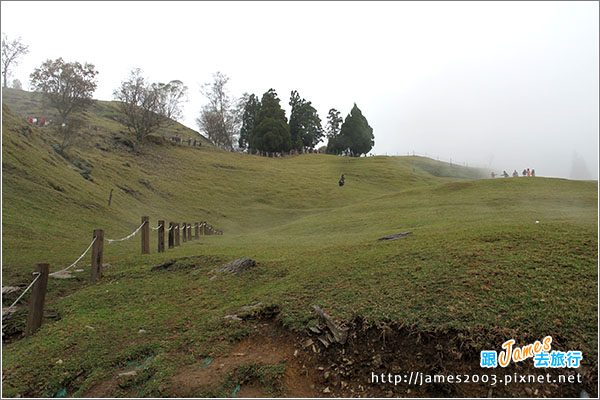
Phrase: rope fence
pixel 127 237
pixel 76 261
pixel 38 285
pixel 22 294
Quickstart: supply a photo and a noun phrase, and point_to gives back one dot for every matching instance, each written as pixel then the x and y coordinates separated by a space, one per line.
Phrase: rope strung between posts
pixel 76 261
pixel 157 228
pixel 25 291
pixel 127 237
pixel 171 227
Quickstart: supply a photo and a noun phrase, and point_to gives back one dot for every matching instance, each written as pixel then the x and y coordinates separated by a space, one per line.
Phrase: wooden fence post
pixel 161 236
pixel 184 232
pixel 176 234
pixel 189 232
pixel 146 235
pixel 171 235
pixel 36 302
pixel 196 236
pixel 97 256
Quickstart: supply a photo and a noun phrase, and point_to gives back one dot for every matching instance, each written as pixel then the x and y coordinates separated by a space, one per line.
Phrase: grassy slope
pixel 101 114
pixel 476 261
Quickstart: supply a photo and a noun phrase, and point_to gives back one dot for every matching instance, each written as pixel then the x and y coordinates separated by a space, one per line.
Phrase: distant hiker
pixel 493 174
pixel 524 172
pixel 515 174
pixel 528 172
pixel 533 172
pixel 341 182
pixel 504 174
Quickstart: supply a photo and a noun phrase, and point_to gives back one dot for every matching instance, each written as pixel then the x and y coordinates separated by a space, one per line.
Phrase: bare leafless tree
pixel 11 51
pixel 145 107
pixel 220 118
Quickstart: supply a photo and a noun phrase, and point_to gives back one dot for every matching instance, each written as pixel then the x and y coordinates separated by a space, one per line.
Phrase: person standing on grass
pixel 515 174
pixel 341 182
pixel 533 172
pixel 504 174
pixel 528 172
pixel 524 172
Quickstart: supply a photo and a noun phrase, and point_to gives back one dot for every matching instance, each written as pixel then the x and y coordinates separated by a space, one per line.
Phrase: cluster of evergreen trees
pixel 264 127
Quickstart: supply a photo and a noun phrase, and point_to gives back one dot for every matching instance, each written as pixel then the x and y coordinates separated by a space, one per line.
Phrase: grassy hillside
pixel 100 117
pixel 476 263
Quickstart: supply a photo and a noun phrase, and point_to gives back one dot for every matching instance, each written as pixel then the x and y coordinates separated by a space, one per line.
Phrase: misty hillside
pixel 485 260
pixel 101 116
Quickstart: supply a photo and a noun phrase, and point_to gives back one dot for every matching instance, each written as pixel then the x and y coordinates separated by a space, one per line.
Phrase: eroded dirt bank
pixel 310 369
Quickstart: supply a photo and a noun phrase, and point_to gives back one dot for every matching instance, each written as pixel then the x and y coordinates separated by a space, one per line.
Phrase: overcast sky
pixel 507 85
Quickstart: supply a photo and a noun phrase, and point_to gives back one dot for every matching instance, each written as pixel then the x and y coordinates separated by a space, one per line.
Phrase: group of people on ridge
pixel 515 174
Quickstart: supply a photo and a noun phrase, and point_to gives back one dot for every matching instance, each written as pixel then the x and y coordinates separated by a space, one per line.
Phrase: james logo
pixel 539 351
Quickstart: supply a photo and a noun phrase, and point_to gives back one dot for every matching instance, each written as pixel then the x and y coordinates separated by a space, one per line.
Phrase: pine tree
pixel 305 124
pixel 356 134
pixel 251 109
pixel 271 132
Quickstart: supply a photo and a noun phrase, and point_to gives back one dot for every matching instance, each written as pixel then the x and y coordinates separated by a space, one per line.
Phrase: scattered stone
pixel 90 327
pixel 308 343
pixel 257 305
pixel 395 236
pixel 63 275
pixel 314 329
pixel 142 331
pixel 314 349
pixel 377 362
pixel 79 270
pixel 128 373
pixel 528 391
pixel 343 384
pixel 237 266
pixel 323 339
pixel 321 368
pixel 6 311
pixel 239 354
pixel 60 362
pixel 296 353
pixel 232 317
pixel 326 375
pixel 106 265
pixel 162 266
pixel 326 390
pixel 213 278
pixel 9 289
pixel 52 314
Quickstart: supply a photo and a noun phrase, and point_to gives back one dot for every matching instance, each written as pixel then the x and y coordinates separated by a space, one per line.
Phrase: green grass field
pixel 477 262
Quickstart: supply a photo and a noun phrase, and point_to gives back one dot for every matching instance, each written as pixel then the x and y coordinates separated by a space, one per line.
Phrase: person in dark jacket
pixel 341 182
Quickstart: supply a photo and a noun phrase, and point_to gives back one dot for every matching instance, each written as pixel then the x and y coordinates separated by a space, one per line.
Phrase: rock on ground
pixel 237 266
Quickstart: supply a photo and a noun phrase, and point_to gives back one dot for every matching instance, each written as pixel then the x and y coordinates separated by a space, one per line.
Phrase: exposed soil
pixel 312 370
pixel 269 344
